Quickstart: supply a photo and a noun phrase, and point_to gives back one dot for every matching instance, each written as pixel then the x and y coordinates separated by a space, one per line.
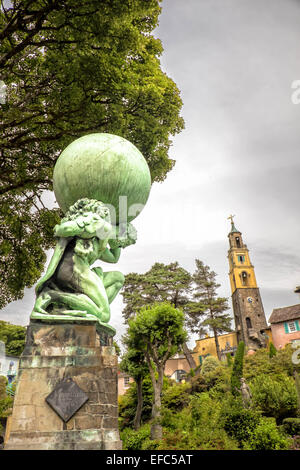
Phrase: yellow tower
pixel 249 315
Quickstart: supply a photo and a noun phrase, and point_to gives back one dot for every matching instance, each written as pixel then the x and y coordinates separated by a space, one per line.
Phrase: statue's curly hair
pixel 87 205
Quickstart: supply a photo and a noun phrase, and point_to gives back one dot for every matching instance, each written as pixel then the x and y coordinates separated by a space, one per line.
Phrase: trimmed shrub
pixel 275 396
pixel 266 436
pixel 176 396
pixel 238 422
pixel 210 363
pixel 291 426
pixel 133 440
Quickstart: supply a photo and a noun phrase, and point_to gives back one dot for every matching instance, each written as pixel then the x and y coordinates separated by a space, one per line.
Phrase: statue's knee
pixel 120 279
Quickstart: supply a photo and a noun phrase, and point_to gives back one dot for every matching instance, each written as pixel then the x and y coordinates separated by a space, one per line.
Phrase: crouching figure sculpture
pixel 70 286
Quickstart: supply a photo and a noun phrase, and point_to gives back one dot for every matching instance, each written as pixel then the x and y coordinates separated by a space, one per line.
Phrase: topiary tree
pixel 237 369
pixel 157 332
pixel 229 360
pixel 210 363
pixel 272 350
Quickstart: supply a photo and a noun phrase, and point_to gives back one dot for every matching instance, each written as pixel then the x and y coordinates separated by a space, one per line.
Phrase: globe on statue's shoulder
pixel 104 167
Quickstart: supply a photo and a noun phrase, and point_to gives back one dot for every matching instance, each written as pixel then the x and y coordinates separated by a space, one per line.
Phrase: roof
pixel 285 313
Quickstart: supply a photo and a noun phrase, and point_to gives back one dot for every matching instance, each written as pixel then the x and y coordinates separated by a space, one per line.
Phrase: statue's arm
pixel 111 255
pixel 83 226
pixel 67 229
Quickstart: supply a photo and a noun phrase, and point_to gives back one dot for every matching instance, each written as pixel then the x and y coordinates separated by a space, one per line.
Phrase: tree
pixel 133 363
pixel 72 68
pixel 207 310
pixel 14 338
pixel 237 369
pixel 272 350
pixel 162 283
pixel 157 332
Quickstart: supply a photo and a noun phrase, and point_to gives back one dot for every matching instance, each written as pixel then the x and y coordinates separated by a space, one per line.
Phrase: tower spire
pixel 247 305
pixel 233 228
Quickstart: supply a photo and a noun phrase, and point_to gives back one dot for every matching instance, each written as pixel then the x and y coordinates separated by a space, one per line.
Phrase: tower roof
pixel 233 228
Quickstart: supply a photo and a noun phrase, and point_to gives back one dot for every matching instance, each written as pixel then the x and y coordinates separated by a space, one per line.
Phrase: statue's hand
pixel 125 235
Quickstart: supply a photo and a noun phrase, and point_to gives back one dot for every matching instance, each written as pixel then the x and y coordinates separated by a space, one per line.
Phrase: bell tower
pixel 249 315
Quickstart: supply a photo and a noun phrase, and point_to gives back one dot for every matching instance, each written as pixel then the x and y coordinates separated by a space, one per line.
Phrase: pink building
pixel 176 368
pixel 285 325
pixel 124 380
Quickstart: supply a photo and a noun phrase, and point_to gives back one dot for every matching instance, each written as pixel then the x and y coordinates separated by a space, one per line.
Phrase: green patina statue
pixel 71 289
pixel 70 286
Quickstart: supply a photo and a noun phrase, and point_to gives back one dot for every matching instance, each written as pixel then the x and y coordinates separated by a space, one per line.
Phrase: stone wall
pixel 53 353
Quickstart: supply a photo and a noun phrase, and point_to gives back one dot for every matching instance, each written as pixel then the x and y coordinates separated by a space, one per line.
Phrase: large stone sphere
pixel 103 167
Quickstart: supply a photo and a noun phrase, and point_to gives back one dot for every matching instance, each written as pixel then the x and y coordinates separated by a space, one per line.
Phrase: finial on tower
pixel 233 228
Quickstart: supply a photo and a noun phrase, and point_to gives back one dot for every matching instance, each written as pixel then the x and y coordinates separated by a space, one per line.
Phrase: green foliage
pixel 158 332
pixel 117 348
pixel 238 422
pixel 196 426
pixel 274 396
pixel 209 364
pixel 198 384
pixel 207 310
pixel 229 360
pixel 14 338
pixel 272 350
pixel 297 383
pixel 162 283
pixel 6 402
pixel 128 403
pixel 266 436
pixel 133 440
pixel 133 363
pixel 237 369
pixel 291 426
pixel 261 363
pixel 73 68
pixel 176 396
pixel 214 419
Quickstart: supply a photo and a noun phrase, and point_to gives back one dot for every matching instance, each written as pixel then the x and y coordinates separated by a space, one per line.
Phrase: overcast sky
pixel 234 62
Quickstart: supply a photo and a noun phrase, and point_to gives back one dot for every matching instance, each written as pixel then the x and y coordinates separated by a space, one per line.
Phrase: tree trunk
pixel 217 345
pixel 138 413
pixel 156 427
pixel 189 357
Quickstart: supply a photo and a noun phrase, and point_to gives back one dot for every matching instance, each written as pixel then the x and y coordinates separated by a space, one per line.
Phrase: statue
pixel 70 286
pixel 246 393
pixel 89 177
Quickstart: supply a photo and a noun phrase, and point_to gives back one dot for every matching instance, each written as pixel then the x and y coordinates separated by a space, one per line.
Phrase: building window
pixel 126 381
pixel 244 277
pixel 248 323
pixel 238 242
pixel 291 326
pixel 241 258
pixel 179 375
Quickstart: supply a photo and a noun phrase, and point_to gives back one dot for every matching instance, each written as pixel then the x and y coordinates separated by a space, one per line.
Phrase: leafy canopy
pixel 162 283
pixel 72 68
pixel 158 332
pixel 14 338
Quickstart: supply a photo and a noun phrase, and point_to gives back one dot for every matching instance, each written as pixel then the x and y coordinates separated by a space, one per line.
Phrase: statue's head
pixel 85 206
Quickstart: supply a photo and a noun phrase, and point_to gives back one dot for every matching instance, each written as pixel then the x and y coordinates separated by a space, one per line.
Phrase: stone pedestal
pixel 82 352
